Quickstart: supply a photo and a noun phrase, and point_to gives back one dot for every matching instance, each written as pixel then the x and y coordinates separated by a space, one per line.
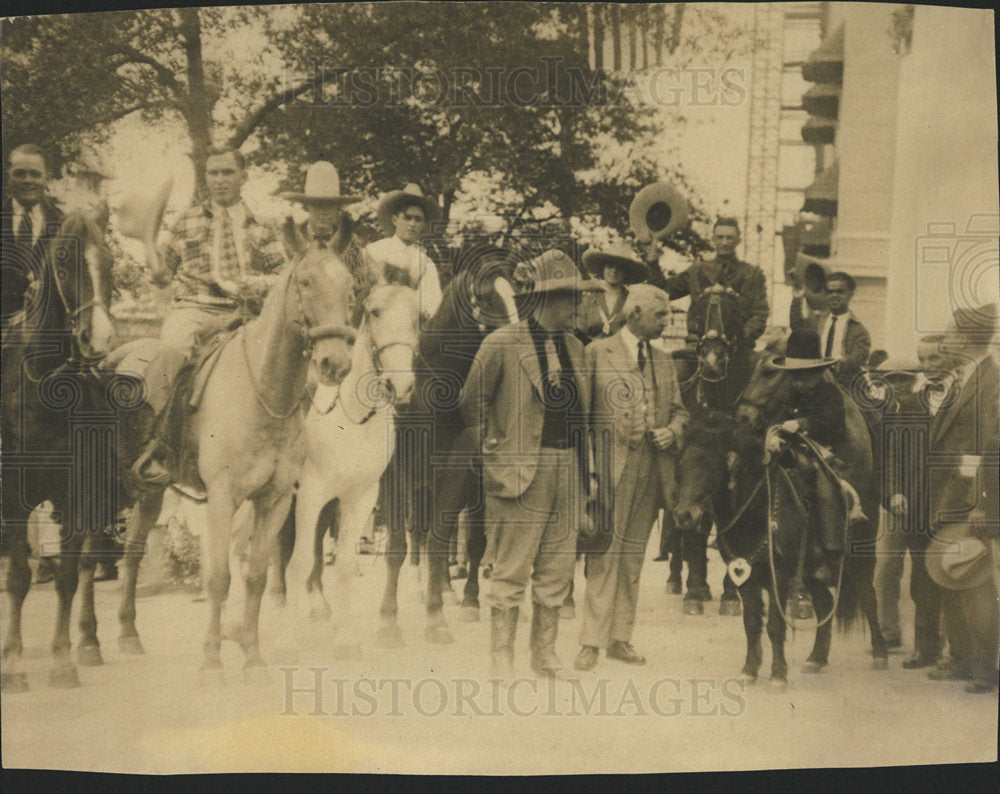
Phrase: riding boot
pixel 544 628
pixel 503 626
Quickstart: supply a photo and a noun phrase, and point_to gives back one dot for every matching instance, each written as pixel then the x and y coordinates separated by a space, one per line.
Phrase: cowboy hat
pixel 322 184
pixel 657 211
pixel 956 560
pixel 802 353
pixel 617 255
pixel 554 271
pixel 392 202
pixel 973 330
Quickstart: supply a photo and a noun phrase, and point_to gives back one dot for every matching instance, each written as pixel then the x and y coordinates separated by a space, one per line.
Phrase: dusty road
pixel 428 708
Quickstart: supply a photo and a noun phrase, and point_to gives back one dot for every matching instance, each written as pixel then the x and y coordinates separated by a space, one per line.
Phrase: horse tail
pixel 859 572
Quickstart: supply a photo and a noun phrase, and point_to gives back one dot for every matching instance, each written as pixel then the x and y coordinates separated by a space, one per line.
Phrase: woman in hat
pixel 617 268
pixel 327 221
pixel 816 409
pixel 399 257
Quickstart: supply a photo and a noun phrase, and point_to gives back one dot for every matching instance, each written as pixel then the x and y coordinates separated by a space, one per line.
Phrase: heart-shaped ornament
pixel 739 571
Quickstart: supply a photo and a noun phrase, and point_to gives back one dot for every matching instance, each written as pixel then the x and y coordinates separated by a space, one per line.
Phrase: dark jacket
pixel 821 414
pixel 857 340
pixel 20 267
pixel 746 280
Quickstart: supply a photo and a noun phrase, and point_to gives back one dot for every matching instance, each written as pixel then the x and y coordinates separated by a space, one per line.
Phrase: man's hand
pixel 791 426
pixel 662 437
pixel 898 505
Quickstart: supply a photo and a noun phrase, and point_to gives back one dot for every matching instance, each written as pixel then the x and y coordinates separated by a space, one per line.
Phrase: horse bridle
pixel 73 315
pixel 712 334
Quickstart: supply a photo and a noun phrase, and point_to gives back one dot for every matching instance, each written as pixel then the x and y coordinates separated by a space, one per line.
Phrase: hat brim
pixel 390 204
pixel 958 569
pixel 634 271
pixel 302 198
pixel 569 284
pixel 800 364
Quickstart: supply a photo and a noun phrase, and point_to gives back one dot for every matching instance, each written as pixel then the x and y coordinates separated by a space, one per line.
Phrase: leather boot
pixel 544 628
pixel 503 626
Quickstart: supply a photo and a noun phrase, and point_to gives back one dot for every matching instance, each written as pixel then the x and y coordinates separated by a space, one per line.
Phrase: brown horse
pixel 59 426
pixel 247 432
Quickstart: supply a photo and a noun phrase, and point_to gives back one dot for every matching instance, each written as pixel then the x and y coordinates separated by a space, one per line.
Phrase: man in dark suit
pixel 528 393
pixel 841 335
pixel 964 440
pixel 638 420
pixel 30 221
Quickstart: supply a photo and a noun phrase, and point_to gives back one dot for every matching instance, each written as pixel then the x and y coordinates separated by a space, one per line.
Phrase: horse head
pixel 714 346
pixel 390 327
pixel 485 298
pixel 321 285
pixel 767 393
pixel 80 264
pixel 702 469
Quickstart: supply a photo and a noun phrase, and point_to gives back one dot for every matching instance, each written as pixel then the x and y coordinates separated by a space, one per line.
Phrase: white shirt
pixel 413 259
pixel 838 334
pixel 237 219
pixel 37 219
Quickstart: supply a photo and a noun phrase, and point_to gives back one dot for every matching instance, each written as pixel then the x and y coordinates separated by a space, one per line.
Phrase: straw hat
pixel 555 272
pixel 956 560
pixel 392 202
pixel 617 255
pixel 802 353
pixel 322 184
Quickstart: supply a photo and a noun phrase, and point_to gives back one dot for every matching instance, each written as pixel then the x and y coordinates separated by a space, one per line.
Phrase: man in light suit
pixel 841 335
pixel 638 421
pixel 528 392
pixel 30 221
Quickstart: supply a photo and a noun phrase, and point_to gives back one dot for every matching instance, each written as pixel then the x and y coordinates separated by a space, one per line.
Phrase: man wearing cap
pixel 399 257
pixel 816 409
pixel 842 336
pixel 222 261
pixel 616 269
pixel 724 274
pixel 638 421
pixel 528 393
pixel 964 439
pixel 327 222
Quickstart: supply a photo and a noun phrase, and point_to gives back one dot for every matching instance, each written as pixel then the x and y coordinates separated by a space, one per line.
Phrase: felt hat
pixel 554 271
pixel 802 353
pixel 617 255
pixel 322 184
pixel 393 201
pixel 956 560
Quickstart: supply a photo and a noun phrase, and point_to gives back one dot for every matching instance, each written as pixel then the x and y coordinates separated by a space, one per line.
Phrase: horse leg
pixel 354 515
pixel 88 652
pixel 823 604
pixel 676 545
pixel 313 495
pixel 283 546
pixel 776 634
pixel 729 604
pixel 16 580
pixel 869 605
pixel 63 674
pixel 436 554
pixel 753 626
pixel 695 555
pixel 389 635
pixel 215 559
pixel 144 515
pixel 475 546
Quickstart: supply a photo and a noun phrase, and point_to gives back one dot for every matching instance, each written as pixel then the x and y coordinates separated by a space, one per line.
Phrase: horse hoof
pixel 438 635
pixel 345 652
pixel 255 675
pixel 674 588
pixel 89 656
pixel 12 683
pixel 567 612
pixel 468 615
pixel 322 614
pixel 64 678
pixel 389 636
pixel 731 608
pixel 131 646
pixel 777 684
pixel 747 677
pixel 450 598
pixel 692 607
pixel 880 663
pixel 812 668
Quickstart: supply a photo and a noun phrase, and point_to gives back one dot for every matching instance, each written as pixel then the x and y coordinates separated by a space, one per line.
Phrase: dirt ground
pixel 428 708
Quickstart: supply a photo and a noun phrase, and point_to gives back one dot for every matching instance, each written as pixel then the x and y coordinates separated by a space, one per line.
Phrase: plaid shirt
pixel 188 254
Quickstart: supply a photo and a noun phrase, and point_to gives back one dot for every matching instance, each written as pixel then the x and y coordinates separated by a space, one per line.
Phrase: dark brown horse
pixel 60 436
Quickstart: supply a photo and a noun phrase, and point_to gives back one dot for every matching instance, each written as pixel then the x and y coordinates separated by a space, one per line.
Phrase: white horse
pixel 349 443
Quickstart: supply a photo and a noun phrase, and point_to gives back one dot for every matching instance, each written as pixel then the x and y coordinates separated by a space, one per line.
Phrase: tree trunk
pixel 616 37
pixel 198 113
pixel 632 24
pixel 598 37
pixel 658 12
pixel 675 32
pixel 644 12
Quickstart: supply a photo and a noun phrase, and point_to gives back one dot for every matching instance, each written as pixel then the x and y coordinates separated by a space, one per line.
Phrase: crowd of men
pixel 535 391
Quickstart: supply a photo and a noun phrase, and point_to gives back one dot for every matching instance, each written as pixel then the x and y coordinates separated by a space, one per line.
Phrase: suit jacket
pixel 617 405
pixel 18 270
pixel 857 340
pixel 502 396
pixel 964 437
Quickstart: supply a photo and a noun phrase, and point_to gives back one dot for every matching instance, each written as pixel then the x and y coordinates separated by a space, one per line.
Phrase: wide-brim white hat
pixel 391 202
pixel 322 184
pixel 617 255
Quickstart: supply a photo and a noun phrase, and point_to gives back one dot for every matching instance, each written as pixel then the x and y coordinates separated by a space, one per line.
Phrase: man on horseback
pixel 222 262
pixel 816 414
pixel 399 257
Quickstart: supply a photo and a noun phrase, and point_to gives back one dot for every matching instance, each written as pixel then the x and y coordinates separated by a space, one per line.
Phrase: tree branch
pixel 164 74
pixel 254 118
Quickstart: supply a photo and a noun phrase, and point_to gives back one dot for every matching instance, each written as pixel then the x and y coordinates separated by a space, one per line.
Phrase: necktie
pixel 26 233
pixel 552 361
pixel 828 353
pixel 642 355
pixel 229 263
